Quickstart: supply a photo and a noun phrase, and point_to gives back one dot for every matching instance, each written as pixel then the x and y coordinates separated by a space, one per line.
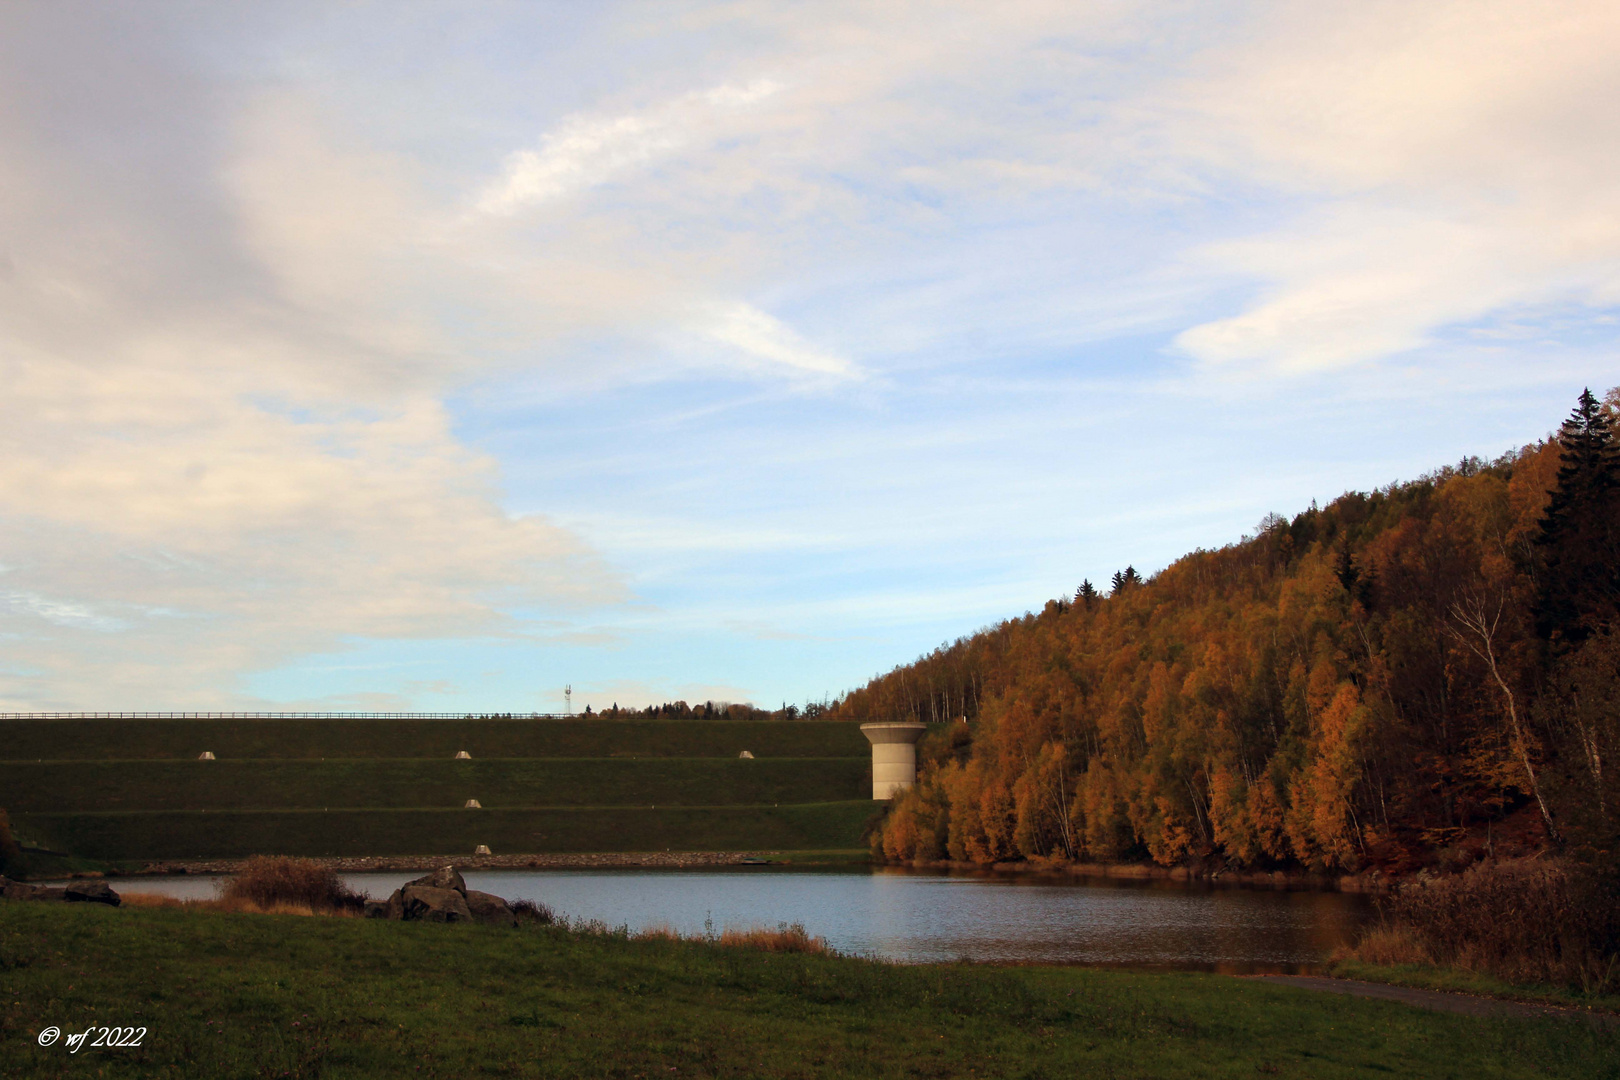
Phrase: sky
pixel 438 356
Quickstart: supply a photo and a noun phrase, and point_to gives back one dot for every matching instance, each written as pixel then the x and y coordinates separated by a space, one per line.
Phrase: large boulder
pixel 445 877
pixel 21 890
pixel 377 909
pixel 489 909
pixel 91 892
pixel 423 903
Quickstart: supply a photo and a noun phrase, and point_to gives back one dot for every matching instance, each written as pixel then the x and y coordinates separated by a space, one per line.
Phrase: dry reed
pixel 533 911
pixel 1525 921
pixel 267 881
pixel 235 905
pixel 786 938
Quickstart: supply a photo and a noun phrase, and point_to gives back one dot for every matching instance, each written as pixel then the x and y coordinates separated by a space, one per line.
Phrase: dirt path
pixel 1440 1000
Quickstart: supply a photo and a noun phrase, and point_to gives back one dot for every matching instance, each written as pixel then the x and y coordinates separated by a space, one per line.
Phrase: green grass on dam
pixel 130 790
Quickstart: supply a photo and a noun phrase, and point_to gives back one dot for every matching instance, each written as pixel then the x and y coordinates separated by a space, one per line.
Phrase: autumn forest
pixel 1398 679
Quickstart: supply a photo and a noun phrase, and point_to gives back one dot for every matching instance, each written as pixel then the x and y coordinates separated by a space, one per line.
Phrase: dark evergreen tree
pixel 1086 594
pixel 1579 539
pixel 1124 579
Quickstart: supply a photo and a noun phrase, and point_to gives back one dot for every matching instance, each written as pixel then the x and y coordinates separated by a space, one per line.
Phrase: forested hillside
pixel 1376 683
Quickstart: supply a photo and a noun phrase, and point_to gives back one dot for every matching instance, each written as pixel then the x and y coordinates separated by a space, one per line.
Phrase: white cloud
pixel 59 612
pixel 585 151
pixel 763 338
pixel 1442 162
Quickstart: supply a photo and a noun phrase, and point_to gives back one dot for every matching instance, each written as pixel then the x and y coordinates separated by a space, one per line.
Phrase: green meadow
pixel 259 996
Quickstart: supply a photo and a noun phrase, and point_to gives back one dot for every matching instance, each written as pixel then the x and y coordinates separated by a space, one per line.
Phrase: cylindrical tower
pixel 894 756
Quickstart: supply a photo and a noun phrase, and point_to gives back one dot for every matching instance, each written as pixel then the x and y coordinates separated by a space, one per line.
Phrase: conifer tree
pixel 1579 539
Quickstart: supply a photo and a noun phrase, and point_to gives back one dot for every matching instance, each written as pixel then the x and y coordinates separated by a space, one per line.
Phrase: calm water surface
pixel 918 917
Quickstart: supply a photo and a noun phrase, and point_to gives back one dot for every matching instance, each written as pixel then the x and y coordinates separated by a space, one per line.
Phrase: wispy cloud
pixel 584 151
pixel 1438 162
pixel 61 612
pixel 764 339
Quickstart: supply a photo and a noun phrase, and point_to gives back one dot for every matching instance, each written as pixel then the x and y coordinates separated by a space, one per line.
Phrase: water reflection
pixel 917 917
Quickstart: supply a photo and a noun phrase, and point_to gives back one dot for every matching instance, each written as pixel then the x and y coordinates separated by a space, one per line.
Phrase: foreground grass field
pixel 241 995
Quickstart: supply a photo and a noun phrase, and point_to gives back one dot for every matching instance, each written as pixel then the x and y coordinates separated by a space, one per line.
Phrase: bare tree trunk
pixel 1479 634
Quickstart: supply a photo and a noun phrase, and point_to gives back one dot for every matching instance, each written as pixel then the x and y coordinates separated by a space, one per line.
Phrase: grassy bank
pixel 89 740
pixel 400 783
pixel 232 834
pixel 232 995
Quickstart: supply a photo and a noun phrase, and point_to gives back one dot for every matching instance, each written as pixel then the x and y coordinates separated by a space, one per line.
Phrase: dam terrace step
pixel 81 892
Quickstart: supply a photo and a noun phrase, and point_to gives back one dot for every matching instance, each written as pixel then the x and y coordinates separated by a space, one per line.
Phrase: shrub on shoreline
pixel 533 911
pixel 267 881
pixel 1526 921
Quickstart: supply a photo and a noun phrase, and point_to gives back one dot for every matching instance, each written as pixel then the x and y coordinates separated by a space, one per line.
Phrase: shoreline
pixel 1373 882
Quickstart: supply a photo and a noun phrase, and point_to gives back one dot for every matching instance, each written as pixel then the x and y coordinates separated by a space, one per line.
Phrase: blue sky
pixel 432 356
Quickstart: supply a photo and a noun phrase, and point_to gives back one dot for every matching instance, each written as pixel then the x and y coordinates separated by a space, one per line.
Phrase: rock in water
pixel 422 903
pixel 489 909
pixel 91 892
pixel 445 877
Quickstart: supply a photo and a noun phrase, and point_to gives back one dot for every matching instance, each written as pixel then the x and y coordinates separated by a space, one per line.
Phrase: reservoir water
pixel 921 917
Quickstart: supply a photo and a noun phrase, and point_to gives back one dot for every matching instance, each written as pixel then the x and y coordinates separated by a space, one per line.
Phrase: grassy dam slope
pixel 133 790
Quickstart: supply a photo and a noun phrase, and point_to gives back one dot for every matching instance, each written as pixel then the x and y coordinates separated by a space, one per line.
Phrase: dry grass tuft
pixel 233 905
pixel 786 938
pixel 1390 946
pixel 271 882
pixel 533 911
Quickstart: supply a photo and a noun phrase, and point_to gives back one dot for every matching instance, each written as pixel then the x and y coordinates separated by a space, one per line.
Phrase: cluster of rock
pixel 79 892
pixel 442 896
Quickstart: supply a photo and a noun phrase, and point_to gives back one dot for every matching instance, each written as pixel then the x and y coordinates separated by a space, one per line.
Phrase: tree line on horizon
pixel 1367 685
pixel 707 710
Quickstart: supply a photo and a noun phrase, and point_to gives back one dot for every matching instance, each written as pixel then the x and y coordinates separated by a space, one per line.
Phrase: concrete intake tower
pixel 894 756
